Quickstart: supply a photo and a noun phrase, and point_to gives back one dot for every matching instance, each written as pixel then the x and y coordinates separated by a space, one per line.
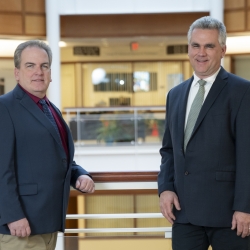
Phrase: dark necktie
pixel 48 113
pixel 194 112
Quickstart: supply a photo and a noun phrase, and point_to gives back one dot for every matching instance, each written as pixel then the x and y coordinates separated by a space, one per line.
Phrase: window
pixel 138 81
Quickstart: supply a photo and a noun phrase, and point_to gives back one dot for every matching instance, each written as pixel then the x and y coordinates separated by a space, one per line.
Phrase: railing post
pixel 168 235
pixel 136 125
pixel 60 241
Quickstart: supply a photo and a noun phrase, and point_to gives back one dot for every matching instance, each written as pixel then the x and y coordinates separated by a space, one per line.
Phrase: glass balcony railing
pixel 114 126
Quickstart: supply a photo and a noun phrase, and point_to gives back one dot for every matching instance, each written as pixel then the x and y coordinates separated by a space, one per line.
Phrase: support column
pixel 53 38
pixel 60 241
pixel 217 9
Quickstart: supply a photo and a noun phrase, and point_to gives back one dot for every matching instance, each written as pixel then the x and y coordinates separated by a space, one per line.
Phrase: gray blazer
pixel 35 175
pixel 212 179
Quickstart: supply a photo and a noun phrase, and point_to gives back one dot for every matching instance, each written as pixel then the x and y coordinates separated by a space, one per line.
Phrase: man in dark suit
pixel 36 163
pixel 204 180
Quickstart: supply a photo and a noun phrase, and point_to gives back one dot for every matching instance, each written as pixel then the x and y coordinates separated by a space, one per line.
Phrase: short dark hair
pixel 31 43
pixel 211 23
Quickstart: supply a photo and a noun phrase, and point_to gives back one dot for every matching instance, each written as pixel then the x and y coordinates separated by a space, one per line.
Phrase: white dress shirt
pixel 194 89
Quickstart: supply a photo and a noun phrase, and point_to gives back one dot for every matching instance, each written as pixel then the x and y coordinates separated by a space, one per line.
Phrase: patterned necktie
pixel 48 113
pixel 194 112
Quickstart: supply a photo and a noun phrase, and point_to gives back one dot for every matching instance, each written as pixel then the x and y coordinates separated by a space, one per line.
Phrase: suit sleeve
pixel 10 206
pixel 242 181
pixel 166 174
pixel 76 171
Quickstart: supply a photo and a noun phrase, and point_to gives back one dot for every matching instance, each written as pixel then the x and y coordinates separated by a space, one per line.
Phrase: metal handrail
pixel 103 109
pixel 120 230
pixel 114 216
pixel 167 230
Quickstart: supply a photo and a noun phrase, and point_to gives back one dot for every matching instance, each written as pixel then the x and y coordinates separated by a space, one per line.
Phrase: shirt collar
pixel 209 79
pixel 33 97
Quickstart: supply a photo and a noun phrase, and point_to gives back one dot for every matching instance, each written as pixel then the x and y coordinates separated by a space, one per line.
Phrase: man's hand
pixel 20 228
pixel 85 184
pixel 241 222
pixel 167 200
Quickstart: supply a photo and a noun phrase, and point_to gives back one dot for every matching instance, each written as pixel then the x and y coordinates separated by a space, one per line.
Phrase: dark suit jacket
pixel 212 179
pixel 35 174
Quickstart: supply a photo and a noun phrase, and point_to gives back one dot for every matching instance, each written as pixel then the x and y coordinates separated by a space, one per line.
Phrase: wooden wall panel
pixel 72 209
pixel 10 24
pixel 78 85
pixel 68 88
pixel 35 6
pixel 11 5
pixel 35 25
pixel 235 21
pixel 103 204
pixel 232 4
pixel 21 22
pixel 127 25
pixel 248 3
pixel 149 204
pixel 248 20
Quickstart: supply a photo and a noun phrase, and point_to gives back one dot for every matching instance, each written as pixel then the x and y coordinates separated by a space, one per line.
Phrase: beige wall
pixel 125 244
pixel 242 66
pixel 7 73
pixel 68 85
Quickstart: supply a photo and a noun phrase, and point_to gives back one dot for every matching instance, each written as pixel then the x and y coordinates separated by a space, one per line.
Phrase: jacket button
pixel 64 160
pixel 186 173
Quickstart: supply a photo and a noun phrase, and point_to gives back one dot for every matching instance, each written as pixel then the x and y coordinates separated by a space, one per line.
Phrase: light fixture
pixel 98 76
pixel 62 44
pixel 8 46
pixel 238 44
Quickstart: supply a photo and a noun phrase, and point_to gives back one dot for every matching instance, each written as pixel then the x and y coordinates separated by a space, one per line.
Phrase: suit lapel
pixel 70 140
pixel 182 108
pixel 215 90
pixel 30 106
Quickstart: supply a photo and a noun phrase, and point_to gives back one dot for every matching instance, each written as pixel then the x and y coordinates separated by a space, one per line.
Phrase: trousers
pixel 32 242
pixel 191 237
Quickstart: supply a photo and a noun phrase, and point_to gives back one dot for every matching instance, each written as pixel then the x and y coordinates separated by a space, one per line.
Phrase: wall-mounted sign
pixel 177 49
pixel 134 46
pixel 86 51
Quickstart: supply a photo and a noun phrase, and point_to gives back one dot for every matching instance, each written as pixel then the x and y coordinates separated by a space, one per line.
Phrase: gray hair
pixel 210 23
pixel 31 43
